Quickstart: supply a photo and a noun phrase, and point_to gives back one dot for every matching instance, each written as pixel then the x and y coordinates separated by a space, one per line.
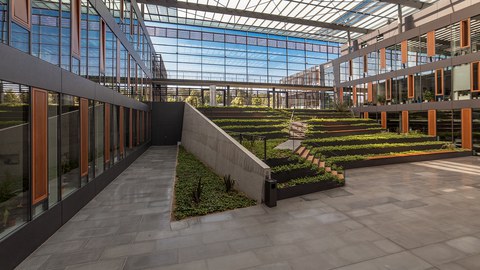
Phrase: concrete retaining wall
pixel 223 154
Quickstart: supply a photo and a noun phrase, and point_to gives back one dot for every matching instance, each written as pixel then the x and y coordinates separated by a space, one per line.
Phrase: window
pixel 70 151
pixel 99 138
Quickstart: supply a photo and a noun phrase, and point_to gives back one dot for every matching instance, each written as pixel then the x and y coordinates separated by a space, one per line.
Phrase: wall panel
pixel 405 122
pixel 467 128
pixel 107 132
pixel 84 137
pixel 76 28
pixel 39 146
pixel 21 12
pixel 432 122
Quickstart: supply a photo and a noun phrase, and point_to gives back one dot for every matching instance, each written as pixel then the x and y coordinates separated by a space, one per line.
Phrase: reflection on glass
pixel 53 139
pixel 14 159
pixel 70 150
pixel 3 21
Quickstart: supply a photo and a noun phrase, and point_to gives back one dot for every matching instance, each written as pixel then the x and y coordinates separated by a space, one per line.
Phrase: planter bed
pixel 274 162
pixel 386 150
pixel 339 122
pixel 340 127
pixel 248 123
pixel 355 142
pixel 241 129
pixel 402 158
pixel 295 191
pixel 283 177
pixel 245 116
pixel 343 133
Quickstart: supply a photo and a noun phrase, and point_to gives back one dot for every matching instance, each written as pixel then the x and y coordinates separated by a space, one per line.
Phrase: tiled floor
pixel 407 216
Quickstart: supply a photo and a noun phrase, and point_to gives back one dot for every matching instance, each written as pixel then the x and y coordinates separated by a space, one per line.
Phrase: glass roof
pixel 237 14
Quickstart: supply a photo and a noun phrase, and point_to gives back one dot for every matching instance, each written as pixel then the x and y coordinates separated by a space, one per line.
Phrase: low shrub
pixel 308 180
pixel 213 195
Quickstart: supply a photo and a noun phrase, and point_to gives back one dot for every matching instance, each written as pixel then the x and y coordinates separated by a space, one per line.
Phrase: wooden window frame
pixel 383 58
pixel 431 44
pixel 432 122
pixel 388 89
pixel 383 119
pixel 39 137
pixel 411 86
pixel 370 91
pixel 473 75
pixel 465 33
pixel 365 63
pixel 84 137
pixel 467 128
pixel 442 87
pixel 404 49
pixel 107 133
pixel 23 21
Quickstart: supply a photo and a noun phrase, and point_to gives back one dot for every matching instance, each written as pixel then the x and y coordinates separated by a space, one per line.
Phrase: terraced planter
pixel 292 174
pixel 344 133
pixel 402 159
pixel 295 191
pixel 374 151
pixel 241 129
pixel 274 162
pixel 356 142
pixel 340 127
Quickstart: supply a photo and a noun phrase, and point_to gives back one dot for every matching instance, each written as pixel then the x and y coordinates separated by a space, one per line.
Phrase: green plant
pixel 340 106
pixel 381 99
pixel 449 146
pixel 193 100
pixel 5 217
pixel 428 95
pixel 197 192
pixel 229 183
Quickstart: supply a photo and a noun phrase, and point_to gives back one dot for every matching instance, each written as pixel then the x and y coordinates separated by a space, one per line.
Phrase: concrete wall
pixel 223 154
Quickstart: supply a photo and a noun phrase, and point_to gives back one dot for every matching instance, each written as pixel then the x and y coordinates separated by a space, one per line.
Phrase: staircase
pixel 304 153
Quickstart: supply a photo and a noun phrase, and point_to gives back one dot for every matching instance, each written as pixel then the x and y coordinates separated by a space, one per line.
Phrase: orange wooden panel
pixel 370 92
pixel 107 133
pixel 340 94
pixel 39 146
pixel 404 48
pixel 465 33
pixel 83 137
pixel 121 129
pixel 143 126
pixel 432 123
pixel 138 127
pixel 354 95
pixel 431 43
pixel 365 115
pixel 350 68
pixel 475 76
pixel 103 45
pixel 76 28
pixel 365 63
pixel 411 86
pixel 388 89
pixel 467 128
pixel 21 12
pixel 404 121
pixel 383 58
pixel 383 119
pixel 130 129
pixel 439 82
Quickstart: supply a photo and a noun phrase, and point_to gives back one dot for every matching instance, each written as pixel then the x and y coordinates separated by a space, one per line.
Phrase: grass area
pixel 371 146
pixel 312 132
pixel 308 180
pixel 213 197
pixel 348 158
pixel 320 120
pixel 366 137
pixel 257 148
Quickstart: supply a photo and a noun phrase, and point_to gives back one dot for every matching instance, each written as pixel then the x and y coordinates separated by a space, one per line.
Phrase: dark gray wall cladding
pixel 22 68
pixel 167 122
pixel 19 67
pixel 444 105
pixel 103 11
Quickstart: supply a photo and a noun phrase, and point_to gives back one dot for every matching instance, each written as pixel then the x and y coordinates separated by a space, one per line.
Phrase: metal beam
pixel 277 86
pixel 252 14
pixel 408 3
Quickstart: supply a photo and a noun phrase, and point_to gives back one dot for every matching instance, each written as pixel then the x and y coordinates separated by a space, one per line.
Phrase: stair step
pixel 310 158
pixel 321 164
pixel 316 161
pixel 328 169
pixel 305 153
pixel 334 172
pixel 340 176
pixel 300 150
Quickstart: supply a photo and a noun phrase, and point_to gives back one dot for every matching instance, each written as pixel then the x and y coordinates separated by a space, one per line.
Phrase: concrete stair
pixel 304 153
